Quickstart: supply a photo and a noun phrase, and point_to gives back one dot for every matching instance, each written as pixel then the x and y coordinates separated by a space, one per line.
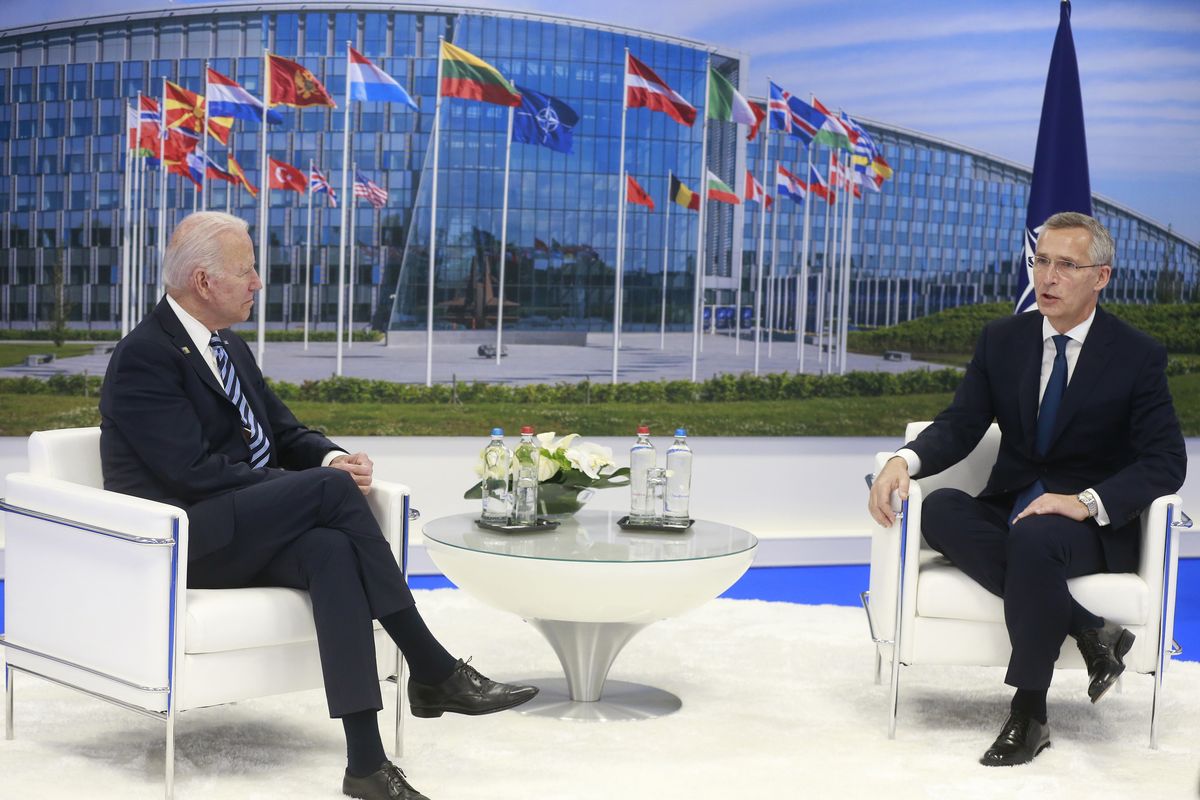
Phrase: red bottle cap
pixel 643 430
pixel 526 429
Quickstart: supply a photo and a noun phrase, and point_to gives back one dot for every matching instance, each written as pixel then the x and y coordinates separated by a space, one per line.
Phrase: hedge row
pixel 1177 326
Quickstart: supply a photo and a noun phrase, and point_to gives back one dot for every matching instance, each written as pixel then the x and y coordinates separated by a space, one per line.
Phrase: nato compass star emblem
pixel 547 121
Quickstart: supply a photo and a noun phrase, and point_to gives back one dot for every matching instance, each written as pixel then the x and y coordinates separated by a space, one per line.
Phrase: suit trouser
pixel 1026 565
pixel 313 530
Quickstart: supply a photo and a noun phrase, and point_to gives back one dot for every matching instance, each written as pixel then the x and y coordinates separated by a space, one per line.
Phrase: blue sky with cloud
pixel 969 72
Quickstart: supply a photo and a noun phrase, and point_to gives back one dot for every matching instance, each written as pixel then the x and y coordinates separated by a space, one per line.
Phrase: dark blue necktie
pixel 260 447
pixel 1056 387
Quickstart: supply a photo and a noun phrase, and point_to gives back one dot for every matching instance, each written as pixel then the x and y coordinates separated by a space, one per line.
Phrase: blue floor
pixel 840 586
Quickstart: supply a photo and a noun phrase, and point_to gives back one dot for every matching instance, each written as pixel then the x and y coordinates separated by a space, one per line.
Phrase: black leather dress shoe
pixel 386 783
pixel 1104 652
pixel 466 692
pixel 1021 739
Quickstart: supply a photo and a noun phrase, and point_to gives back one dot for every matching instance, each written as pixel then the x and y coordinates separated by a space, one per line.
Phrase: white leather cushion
pixel 233 619
pixel 945 592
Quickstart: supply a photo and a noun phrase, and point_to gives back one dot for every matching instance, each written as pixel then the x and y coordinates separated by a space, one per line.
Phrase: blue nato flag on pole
pixel 1060 165
pixel 544 120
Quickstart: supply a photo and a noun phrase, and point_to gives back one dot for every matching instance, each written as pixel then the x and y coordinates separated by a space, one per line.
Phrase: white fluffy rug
pixel 778 703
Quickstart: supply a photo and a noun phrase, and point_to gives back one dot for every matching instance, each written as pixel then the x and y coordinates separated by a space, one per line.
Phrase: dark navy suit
pixel 1115 432
pixel 168 432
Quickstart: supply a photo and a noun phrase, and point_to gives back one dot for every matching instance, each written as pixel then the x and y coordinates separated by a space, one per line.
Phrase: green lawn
pixel 12 355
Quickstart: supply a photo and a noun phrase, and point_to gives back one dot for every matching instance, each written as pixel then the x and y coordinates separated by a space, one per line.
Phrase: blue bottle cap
pixel 497 431
pixel 681 432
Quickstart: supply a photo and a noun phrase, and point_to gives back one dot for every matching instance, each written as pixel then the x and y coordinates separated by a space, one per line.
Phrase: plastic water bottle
pixel 679 480
pixel 497 461
pixel 525 478
pixel 642 459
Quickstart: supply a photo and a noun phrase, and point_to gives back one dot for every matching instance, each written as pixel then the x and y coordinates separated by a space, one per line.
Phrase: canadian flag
pixel 285 176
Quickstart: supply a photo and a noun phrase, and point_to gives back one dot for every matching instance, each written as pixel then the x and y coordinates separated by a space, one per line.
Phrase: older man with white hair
pixel 187 419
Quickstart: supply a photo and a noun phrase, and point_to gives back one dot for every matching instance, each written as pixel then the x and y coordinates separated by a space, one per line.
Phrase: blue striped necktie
pixel 260 447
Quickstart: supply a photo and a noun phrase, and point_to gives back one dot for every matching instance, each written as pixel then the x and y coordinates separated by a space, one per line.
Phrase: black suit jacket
pixel 169 433
pixel 1116 430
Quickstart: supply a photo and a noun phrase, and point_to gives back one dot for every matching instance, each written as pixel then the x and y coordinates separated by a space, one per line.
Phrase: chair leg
pixel 878 666
pixel 894 694
pixel 400 669
pixel 169 765
pixel 8 702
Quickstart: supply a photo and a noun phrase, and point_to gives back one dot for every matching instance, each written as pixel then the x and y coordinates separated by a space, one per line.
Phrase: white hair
pixel 198 242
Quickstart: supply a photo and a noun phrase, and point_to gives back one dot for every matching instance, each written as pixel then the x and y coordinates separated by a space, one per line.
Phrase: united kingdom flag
pixel 318 184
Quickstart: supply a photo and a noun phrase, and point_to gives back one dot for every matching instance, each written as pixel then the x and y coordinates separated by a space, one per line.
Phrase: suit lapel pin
pixel 186 351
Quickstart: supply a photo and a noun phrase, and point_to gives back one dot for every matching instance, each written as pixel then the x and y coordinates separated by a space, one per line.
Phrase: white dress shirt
pixel 1076 335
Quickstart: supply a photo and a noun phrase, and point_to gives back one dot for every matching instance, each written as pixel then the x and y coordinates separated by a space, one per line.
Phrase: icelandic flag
pixel 788 185
pixel 544 120
pixel 1060 165
pixel 226 98
pixel 777 109
pixel 368 83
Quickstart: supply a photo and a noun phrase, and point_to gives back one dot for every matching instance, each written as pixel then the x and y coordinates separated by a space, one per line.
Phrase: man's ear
pixel 1102 276
pixel 201 283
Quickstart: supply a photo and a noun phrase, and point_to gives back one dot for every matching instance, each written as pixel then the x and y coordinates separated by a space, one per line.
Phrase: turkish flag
pixel 285 176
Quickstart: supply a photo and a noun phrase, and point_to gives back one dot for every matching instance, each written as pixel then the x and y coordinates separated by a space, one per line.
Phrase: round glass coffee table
pixel 589 587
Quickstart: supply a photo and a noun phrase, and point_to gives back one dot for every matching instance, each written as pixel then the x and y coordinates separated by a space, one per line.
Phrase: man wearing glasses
pixel 1089 438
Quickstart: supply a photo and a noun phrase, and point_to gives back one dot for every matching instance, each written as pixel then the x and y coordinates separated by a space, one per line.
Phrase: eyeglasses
pixel 1061 265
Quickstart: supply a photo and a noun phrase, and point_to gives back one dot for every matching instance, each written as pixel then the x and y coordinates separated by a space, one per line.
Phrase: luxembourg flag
pixel 369 83
pixel 226 98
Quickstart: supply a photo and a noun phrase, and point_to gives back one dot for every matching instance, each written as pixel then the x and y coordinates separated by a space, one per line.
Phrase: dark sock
pixel 1082 620
pixel 1031 703
pixel 364 748
pixel 428 661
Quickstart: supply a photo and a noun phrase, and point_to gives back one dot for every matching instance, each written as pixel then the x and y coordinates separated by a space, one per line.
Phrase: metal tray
pixel 661 527
pixel 540 525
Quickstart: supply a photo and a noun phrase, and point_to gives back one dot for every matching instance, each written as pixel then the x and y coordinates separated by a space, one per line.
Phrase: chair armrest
pixel 389 505
pixel 92 577
pixel 1160 540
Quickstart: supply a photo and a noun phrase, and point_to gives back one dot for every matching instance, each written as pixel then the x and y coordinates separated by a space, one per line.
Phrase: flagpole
pixel 762 230
pixel 698 300
pixel 433 198
pixel 819 319
pixel 308 255
pixel 162 191
pixel 264 202
pixel 849 234
pixel 835 244
pixel 345 209
pixel 802 286
pixel 353 240
pixel 126 256
pixel 204 133
pixel 503 239
pixel 662 325
pixel 774 272
pixel 141 241
pixel 622 191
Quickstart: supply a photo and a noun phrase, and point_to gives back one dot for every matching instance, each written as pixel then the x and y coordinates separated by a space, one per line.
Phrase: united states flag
pixel 365 187
pixel 318 183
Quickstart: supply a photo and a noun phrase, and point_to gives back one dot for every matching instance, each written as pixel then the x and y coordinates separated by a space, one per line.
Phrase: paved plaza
pixel 641 359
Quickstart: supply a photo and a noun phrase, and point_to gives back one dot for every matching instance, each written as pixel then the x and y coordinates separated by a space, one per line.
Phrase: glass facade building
pixel 945 231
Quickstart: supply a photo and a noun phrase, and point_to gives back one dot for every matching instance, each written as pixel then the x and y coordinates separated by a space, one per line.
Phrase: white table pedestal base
pixel 622 702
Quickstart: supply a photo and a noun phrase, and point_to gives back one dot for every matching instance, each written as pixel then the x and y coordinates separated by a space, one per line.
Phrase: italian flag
pixel 719 190
pixel 725 103
pixel 467 76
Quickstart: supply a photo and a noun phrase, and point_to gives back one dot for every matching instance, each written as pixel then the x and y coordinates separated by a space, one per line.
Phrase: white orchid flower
pixel 547 469
pixel 590 459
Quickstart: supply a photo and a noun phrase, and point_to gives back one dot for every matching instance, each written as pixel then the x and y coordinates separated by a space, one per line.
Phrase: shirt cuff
pixel 331 455
pixel 1101 515
pixel 911 458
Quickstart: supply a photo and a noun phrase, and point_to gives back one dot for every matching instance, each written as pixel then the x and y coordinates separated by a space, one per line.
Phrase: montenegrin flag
pixel 720 191
pixel 369 83
pixel 644 89
pixel 725 103
pixel 471 78
pixel 294 85
pixel 636 194
pixel 682 195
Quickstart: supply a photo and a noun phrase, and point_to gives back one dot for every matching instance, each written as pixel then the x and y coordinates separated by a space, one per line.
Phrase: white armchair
pixel 923 610
pixel 97 598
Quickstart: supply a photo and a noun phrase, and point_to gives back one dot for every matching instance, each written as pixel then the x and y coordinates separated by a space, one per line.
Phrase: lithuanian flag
pixel 684 196
pixel 471 78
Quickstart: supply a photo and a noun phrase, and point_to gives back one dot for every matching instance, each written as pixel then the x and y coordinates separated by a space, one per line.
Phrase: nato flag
pixel 1060 163
pixel 544 120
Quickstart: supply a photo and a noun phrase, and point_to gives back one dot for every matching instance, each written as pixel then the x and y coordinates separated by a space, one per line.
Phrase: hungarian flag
pixel 293 85
pixel 833 131
pixel 755 191
pixel 471 78
pixel 235 169
pixel 644 89
pixel 285 176
pixel 636 194
pixel 725 103
pixel 719 190
pixel 684 196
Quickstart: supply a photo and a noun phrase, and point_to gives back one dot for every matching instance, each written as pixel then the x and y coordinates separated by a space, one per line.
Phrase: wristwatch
pixel 1088 498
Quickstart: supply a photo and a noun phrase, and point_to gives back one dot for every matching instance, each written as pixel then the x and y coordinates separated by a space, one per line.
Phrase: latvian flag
pixel 755 191
pixel 365 187
pixel 318 184
pixel 644 89
pixel 719 190
pixel 788 185
pixel 368 82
